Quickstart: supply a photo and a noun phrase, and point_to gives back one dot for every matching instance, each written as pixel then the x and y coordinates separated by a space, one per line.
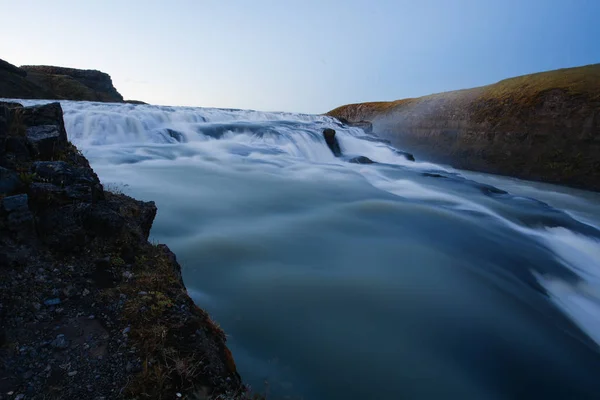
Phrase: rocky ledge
pixel 88 307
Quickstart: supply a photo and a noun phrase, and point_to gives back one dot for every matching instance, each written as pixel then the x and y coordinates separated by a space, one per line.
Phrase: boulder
pixel 332 143
pixel 361 160
pixel 405 154
pixel 101 220
pixel 19 218
pixel 15 203
pixel 46 114
pixel 9 181
pixel 44 195
pixel 18 147
pixel 61 229
pixel 45 139
pixel 62 174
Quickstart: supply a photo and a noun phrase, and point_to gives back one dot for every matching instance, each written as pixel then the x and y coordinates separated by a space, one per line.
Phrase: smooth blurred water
pixel 343 281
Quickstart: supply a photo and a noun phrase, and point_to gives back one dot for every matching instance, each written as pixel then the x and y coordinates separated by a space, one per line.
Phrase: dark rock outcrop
pixel 83 293
pixel 68 83
pixel 49 82
pixel 542 126
pixel 361 160
pixel 332 143
pixel 405 154
pixel 14 84
pixel 12 68
pixel 9 181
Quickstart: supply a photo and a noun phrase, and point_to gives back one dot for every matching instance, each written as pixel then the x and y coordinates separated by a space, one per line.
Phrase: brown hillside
pixel 543 126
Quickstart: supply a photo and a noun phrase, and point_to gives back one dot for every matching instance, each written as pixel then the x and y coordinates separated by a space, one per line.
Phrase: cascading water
pixel 336 280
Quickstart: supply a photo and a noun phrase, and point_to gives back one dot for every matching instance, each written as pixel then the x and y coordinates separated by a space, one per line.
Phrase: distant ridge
pixel 50 82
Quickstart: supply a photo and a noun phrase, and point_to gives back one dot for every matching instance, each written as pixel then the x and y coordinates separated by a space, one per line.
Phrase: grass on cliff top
pixel 523 90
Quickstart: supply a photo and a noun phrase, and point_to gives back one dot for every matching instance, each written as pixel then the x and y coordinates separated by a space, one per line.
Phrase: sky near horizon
pixel 304 56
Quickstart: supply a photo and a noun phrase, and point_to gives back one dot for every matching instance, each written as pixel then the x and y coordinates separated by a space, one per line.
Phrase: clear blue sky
pixel 305 55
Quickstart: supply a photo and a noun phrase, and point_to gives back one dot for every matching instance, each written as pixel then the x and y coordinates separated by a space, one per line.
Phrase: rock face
pixel 542 127
pixel 366 126
pixel 48 82
pixel 87 304
pixel 74 83
pixel 332 143
pixel 14 84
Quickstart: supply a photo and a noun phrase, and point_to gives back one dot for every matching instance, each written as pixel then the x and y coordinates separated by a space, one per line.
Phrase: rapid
pixel 336 280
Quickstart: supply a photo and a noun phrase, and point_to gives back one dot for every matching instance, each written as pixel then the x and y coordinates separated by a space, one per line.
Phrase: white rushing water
pixel 254 202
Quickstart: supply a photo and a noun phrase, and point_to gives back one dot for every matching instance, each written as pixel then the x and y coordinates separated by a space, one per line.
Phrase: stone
pixel 332 143
pixel 62 174
pixel 45 139
pixel 60 342
pixel 15 203
pixel 361 160
pixel 52 302
pixel 405 154
pixel 101 220
pixel 61 228
pixel 18 146
pixel 9 182
pixel 46 114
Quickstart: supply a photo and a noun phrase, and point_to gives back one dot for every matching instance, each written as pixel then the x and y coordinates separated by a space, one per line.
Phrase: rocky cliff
pixel 48 82
pixel 542 126
pixel 88 307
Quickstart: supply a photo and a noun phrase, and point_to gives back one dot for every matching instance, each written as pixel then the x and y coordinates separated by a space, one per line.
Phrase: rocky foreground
pixel 89 309
pixel 543 127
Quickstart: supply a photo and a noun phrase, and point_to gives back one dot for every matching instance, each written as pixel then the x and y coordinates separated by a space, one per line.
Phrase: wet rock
pixel 332 143
pixel 432 175
pixel 180 137
pixel 9 181
pixel 45 139
pixel 405 154
pixel 361 160
pixel 489 190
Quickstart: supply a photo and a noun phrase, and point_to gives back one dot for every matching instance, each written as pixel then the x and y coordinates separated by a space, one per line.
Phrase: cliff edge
pixel 49 82
pixel 543 126
pixel 88 307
